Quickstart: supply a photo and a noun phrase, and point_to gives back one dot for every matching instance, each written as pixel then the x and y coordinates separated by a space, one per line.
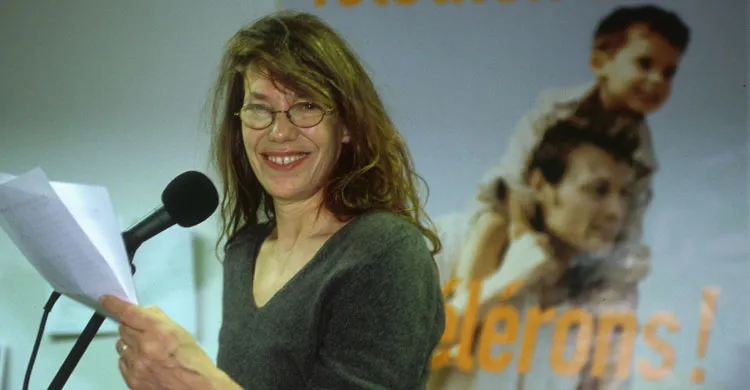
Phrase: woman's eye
pixel 257 107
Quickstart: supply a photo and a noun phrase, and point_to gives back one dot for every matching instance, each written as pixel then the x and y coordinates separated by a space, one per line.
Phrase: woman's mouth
pixel 285 162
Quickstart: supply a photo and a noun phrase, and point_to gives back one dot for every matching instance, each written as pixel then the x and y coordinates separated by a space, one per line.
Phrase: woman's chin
pixel 290 192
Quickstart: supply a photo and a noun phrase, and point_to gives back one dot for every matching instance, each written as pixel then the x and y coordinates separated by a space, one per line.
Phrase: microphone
pixel 188 200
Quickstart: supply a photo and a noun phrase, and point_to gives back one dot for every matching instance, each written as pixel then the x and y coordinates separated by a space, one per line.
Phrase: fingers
pixel 125 312
pixel 129 335
pixel 126 352
pixel 125 361
pixel 127 374
pixel 114 305
pixel 123 370
pixel 120 347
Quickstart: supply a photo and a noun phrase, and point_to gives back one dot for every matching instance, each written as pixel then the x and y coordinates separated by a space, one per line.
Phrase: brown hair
pixel 303 54
pixel 612 31
pixel 551 155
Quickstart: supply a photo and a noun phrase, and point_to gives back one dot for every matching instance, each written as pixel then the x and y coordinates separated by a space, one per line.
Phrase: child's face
pixel 638 76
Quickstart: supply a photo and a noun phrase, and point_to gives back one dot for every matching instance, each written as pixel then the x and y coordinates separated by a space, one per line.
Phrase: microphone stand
pixel 91 328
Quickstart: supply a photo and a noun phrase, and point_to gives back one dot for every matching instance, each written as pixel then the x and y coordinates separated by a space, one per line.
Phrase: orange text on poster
pixel 609 338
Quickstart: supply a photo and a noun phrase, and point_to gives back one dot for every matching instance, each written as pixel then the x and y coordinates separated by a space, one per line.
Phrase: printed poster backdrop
pixel 459 77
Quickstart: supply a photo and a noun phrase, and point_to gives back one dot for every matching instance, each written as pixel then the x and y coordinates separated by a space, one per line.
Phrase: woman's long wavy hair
pixel 300 52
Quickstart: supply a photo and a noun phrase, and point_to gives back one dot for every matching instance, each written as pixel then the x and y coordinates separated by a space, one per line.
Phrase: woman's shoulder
pixel 382 240
pixel 384 227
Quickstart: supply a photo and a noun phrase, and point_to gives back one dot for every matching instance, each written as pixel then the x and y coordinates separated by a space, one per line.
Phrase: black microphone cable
pixel 47 308
pixel 40 333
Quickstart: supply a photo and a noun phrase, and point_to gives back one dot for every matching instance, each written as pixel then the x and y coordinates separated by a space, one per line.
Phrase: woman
pixel 580 178
pixel 328 281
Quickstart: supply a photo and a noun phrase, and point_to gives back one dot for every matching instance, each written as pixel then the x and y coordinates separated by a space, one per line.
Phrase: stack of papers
pixel 70 235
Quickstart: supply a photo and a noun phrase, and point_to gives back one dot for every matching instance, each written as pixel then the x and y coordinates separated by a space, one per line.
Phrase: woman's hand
pixel 156 353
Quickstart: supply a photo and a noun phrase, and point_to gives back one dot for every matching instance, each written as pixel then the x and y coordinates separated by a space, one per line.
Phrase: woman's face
pixel 586 209
pixel 292 163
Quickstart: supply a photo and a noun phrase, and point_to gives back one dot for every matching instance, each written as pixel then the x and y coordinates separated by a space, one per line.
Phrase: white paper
pixel 164 277
pixel 69 234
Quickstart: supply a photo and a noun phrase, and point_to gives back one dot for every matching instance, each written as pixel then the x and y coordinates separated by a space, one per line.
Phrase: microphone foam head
pixel 190 198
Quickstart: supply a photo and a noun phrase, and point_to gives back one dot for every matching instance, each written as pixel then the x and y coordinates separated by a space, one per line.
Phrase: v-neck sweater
pixel 366 312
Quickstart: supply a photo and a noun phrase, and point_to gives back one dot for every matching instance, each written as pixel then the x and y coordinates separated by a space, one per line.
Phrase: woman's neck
pixel 300 220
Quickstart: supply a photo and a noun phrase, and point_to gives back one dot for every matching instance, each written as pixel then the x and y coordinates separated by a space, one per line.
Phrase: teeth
pixel 284 160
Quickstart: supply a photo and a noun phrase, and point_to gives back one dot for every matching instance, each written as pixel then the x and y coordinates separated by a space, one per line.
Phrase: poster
pixel 653 292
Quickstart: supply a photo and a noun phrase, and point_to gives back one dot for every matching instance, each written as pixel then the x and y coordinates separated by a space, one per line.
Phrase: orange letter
pixel 450 286
pixel 441 356
pixel 349 3
pixel 585 332
pixel 469 321
pixel 662 347
pixel 490 336
pixel 535 317
pixel 622 326
pixel 510 291
pixel 405 2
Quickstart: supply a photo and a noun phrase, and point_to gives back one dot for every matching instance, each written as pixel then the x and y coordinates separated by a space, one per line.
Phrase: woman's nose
pixel 282 129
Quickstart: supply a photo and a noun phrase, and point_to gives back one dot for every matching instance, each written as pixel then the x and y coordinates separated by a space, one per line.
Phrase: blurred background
pixel 113 94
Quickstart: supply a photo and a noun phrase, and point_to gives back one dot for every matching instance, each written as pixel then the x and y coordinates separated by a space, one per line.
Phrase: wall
pixel 107 93
pixel 457 76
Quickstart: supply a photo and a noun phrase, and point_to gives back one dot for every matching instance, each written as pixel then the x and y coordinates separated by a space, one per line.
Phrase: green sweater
pixel 365 313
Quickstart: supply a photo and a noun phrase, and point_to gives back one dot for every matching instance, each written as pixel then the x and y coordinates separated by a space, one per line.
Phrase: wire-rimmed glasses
pixel 303 115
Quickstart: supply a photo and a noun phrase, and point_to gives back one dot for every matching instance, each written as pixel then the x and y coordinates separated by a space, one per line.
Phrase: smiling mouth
pixel 285 160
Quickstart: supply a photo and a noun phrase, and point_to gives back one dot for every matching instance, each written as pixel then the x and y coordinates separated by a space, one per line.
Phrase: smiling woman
pixel 291 157
pixel 336 287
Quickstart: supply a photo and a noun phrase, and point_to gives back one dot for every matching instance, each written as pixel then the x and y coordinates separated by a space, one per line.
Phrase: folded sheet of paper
pixel 70 235
pixel 165 277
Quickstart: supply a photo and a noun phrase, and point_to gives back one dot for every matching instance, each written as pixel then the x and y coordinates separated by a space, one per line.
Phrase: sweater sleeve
pixel 384 317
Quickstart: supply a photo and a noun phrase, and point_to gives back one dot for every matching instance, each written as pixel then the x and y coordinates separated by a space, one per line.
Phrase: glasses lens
pixel 256 116
pixel 306 114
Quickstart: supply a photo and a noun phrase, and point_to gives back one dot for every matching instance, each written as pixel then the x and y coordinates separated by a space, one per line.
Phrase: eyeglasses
pixel 303 114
